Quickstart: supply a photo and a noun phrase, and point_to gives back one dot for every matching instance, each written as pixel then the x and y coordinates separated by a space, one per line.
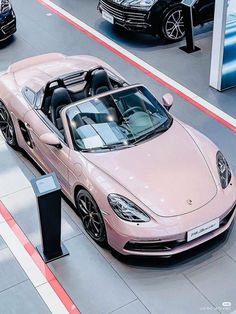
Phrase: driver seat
pixel 60 98
pixel 100 83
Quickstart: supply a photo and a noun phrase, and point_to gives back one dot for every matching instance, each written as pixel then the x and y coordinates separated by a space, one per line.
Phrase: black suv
pixel 157 17
pixel 7 20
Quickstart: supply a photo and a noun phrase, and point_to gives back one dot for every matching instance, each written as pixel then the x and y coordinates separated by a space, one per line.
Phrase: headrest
pixel 100 82
pixel 60 97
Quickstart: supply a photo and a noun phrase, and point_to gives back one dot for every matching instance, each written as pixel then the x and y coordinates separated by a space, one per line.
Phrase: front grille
pixel 152 246
pixel 124 15
pixel 9 28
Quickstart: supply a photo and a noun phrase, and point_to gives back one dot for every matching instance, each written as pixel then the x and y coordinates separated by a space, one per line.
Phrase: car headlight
pixel 126 209
pixel 5 6
pixel 138 3
pixel 223 170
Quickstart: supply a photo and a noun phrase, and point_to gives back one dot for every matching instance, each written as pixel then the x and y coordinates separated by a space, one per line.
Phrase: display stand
pixel 48 192
pixel 187 8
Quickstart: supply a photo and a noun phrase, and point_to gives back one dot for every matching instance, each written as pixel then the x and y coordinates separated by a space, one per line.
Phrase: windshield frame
pixel 113 147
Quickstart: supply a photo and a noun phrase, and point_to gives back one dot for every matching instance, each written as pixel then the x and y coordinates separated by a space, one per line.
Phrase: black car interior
pixel 75 87
pixel 59 99
pixel 100 83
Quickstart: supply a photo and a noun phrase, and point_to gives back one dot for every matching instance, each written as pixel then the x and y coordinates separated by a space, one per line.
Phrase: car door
pixel 48 157
pixel 205 10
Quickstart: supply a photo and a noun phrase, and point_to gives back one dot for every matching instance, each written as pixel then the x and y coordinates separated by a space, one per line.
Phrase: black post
pixel 188 25
pixel 48 192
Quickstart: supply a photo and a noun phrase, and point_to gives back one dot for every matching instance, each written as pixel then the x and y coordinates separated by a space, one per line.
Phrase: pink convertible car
pixel 142 180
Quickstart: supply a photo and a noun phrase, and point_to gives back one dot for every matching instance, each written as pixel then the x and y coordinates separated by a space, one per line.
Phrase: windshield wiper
pixel 151 134
pixel 108 147
pixel 115 146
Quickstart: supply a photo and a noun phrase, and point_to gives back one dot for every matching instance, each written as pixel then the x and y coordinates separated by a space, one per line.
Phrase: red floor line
pixel 51 279
pixel 140 67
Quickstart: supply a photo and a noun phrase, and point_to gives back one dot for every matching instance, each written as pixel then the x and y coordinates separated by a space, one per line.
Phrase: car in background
pixel 156 17
pixel 141 180
pixel 7 20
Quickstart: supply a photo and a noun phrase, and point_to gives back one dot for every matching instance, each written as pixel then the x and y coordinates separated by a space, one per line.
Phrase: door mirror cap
pixel 167 101
pixel 51 139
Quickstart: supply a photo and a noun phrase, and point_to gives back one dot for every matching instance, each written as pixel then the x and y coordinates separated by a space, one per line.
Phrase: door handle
pixel 28 126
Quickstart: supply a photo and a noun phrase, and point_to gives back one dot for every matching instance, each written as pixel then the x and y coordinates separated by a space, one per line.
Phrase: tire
pixel 172 28
pixel 7 127
pixel 91 217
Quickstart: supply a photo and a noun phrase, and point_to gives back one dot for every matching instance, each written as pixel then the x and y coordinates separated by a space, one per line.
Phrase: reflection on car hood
pixel 168 173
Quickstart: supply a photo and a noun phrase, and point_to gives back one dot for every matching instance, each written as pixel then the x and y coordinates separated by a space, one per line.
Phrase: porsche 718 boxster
pixel 142 180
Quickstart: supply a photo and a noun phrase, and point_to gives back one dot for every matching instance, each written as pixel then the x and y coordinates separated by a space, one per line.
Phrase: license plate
pixel 203 229
pixel 108 17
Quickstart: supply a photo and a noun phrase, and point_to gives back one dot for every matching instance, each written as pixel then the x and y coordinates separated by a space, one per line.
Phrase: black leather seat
pixel 60 98
pixel 100 83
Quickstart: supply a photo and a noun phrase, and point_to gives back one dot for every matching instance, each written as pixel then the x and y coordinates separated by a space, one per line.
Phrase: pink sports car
pixel 142 180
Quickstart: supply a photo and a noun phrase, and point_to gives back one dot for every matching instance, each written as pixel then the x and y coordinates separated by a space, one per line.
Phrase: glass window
pixel 117 120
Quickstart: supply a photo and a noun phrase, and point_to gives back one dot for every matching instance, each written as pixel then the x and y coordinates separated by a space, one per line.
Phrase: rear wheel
pixel 7 127
pixel 91 216
pixel 172 28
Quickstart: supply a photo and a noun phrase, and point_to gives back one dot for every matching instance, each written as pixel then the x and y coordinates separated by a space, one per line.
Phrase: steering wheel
pixel 134 109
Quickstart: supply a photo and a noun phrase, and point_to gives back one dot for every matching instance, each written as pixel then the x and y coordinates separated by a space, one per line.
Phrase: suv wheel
pixel 172 28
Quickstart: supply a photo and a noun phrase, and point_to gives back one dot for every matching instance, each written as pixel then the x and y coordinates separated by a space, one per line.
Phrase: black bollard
pixel 187 8
pixel 48 192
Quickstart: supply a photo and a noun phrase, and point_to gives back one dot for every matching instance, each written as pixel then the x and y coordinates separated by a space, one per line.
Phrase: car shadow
pixel 7 42
pixel 138 40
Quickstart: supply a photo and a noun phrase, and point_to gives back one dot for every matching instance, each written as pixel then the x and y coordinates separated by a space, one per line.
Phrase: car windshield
pixel 117 120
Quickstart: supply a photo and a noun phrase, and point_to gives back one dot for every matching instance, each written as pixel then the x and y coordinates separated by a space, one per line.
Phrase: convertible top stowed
pixel 37 71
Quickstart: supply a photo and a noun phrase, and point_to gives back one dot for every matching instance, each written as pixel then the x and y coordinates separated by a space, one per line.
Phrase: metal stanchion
pixel 187 8
pixel 48 192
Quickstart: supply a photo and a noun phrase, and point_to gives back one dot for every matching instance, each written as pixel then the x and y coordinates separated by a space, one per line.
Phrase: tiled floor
pixel 17 294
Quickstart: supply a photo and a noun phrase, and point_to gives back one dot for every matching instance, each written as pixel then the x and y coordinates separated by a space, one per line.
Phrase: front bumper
pixel 178 245
pixel 130 19
pixel 7 25
pixel 167 236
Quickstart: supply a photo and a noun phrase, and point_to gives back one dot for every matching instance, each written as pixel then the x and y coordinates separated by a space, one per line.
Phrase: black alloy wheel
pixel 173 25
pixel 7 127
pixel 91 216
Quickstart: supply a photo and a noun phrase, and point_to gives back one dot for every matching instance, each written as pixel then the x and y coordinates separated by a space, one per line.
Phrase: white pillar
pixel 218 45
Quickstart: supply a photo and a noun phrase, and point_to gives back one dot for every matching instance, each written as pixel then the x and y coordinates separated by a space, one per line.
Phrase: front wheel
pixel 172 28
pixel 91 216
pixel 7 127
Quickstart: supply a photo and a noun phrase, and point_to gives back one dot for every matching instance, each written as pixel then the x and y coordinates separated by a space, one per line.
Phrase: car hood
pixel 168 174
